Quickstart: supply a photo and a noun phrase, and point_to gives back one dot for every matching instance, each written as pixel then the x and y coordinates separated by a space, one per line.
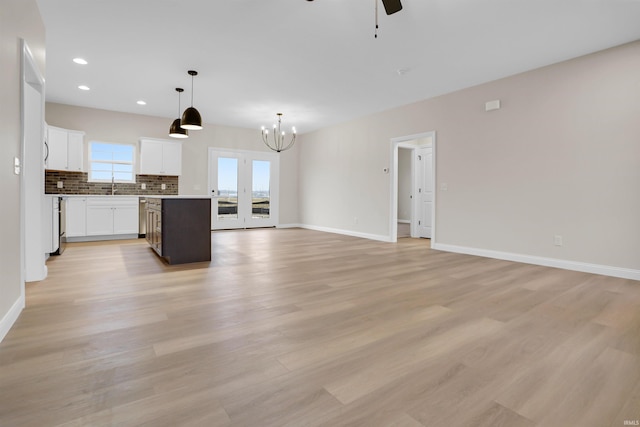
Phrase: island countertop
pixel 177 196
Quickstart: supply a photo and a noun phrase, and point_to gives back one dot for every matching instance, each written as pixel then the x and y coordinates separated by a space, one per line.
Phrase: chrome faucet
pixel 113 185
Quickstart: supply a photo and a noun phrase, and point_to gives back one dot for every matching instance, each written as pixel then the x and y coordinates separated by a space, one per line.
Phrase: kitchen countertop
pixel 161 196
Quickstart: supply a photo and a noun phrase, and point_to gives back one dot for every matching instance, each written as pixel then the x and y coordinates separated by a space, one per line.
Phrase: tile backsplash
pixel 77 183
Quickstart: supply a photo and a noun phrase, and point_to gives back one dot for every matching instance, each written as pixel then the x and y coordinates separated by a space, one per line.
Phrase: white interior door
pixel 244 186
pixel 424 174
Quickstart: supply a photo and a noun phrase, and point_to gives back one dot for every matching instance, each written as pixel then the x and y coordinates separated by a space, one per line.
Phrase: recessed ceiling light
pixel 141 102
pixel 80 61
pixel 83 87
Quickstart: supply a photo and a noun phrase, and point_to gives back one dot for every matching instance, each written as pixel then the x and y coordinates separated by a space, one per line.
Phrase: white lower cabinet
pixel 104 217
pixel 99 219
pixel 76 217
pixel 125 219
pixel 112 215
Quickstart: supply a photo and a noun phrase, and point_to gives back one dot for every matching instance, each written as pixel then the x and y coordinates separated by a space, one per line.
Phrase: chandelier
pixel 279 141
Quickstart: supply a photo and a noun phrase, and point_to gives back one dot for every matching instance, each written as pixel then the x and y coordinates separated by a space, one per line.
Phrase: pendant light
pixel 175 130
pixel 191 117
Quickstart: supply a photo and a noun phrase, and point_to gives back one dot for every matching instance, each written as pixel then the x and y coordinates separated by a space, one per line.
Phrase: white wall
pixel 19 19
pixel 110 126
pixel 562 157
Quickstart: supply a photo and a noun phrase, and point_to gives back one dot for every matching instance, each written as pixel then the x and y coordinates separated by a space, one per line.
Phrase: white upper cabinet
pixel 64 150
pixel 160 157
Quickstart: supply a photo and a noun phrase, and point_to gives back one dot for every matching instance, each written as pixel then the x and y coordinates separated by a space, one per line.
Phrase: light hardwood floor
pixel 301 328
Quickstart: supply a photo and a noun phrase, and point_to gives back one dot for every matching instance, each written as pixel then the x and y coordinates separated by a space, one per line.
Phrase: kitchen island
pixel 179 228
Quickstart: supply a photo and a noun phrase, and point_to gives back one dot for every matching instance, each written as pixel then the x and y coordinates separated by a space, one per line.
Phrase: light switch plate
pixel 492 105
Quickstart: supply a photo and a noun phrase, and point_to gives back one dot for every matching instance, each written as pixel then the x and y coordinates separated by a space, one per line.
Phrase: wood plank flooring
pixel 301 328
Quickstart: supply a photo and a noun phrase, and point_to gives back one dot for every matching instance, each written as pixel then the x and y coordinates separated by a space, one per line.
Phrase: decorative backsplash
pixel 77 183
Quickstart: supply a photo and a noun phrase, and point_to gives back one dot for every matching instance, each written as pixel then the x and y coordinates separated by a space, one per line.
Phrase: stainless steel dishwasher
pixel 142 217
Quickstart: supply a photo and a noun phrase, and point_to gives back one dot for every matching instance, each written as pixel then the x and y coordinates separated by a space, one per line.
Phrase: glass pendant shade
pixel 176 131
pixel 191 119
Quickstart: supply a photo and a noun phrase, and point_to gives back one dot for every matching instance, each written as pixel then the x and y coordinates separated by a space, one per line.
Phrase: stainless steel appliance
pixel 60 204
pixel 142 217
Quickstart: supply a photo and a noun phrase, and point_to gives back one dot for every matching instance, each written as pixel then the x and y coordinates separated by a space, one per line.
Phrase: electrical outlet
pixel 163 186
pixel 143 186
pixel 355 219
pixel 60 184
pixel 557 240
pixel 444 186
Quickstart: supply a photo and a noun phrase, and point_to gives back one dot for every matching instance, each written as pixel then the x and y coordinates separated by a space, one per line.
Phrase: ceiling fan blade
pixel 392 6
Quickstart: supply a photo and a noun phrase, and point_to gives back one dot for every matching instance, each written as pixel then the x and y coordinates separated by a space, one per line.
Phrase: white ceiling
pixel 316 62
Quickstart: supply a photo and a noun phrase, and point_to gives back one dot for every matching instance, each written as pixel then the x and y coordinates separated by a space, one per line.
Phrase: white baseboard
pixel 289 226
pixel 606 270
pixel 10 318
pixel 379 237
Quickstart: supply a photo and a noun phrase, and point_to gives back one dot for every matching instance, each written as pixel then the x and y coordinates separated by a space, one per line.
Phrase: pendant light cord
pixel 192 90
pixel 376 30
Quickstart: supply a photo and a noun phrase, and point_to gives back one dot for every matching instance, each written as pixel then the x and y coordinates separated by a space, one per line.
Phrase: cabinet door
pixel 150 157
pixel 57 141
pixel 76 217
pixel 99 220
pixel 125 220
pixel 172 158
pixel 75 151
pixel 149 234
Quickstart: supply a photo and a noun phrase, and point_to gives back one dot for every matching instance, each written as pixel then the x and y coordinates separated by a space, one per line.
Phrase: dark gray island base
pixel 179 228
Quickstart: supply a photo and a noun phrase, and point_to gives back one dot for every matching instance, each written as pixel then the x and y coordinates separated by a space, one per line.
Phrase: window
pixel 109 161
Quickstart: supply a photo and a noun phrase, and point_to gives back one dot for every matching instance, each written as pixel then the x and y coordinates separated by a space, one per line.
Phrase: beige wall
pixel 110 126
pixel 19 19
pixel 561 157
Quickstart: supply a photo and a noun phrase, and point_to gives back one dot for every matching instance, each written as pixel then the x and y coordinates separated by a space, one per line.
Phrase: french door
pixel 244 189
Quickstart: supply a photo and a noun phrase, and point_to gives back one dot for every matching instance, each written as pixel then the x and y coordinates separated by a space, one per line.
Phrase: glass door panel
pixel 260 194
pixel 227 188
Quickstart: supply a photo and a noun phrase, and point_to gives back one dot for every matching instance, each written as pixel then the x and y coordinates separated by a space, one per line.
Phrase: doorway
pixel 244 189
pixel 412 187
